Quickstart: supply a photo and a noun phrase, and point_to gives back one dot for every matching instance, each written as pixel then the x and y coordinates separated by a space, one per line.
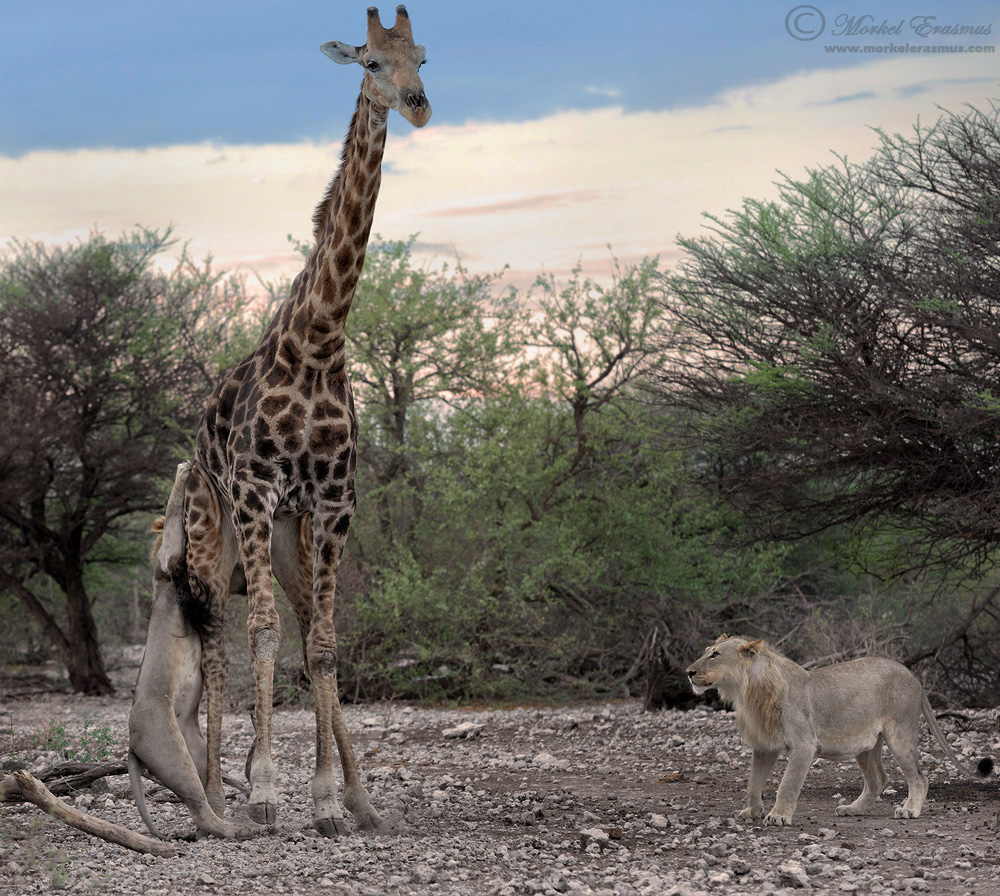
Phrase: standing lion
pixel 844 711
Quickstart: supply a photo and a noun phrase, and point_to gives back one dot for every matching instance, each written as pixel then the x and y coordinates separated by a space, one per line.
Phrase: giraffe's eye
pixel 373 66
pixel 422 63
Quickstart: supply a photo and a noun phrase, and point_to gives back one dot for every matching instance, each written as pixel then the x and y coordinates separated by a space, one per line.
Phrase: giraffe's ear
pixel 342 53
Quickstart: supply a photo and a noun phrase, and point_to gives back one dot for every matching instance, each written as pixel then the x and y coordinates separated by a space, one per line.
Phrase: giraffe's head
pixel 391 61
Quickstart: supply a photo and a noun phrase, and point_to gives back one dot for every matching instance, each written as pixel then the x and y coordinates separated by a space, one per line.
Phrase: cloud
pixel 610 93
pixel 522 204
pixel 854 97
pixel 546 193
pixel 447 250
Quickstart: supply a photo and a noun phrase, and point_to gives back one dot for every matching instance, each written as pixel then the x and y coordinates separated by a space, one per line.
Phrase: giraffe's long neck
pixel 314 316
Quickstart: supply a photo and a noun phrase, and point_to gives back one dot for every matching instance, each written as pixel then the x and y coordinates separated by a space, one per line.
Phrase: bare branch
pixel 21 787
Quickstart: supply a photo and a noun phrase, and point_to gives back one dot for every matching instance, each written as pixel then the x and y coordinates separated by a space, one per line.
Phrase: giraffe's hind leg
pixel 292 561
pixel 330 525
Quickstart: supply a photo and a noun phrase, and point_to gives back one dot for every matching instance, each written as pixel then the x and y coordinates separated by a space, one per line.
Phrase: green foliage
pixel 832 361
pixel 519 525
pixel 35 851
pixel 57 739
pixel 95 742
pixel 104 364
pixel 527 513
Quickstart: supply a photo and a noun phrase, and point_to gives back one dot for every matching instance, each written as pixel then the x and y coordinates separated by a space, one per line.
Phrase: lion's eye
pixel 714 655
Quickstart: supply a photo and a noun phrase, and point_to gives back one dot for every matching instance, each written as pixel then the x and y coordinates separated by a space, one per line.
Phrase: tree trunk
pixel 84 664
pixel 38 612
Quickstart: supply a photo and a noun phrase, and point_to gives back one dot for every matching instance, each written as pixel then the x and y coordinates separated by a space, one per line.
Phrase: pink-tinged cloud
pixel 526 203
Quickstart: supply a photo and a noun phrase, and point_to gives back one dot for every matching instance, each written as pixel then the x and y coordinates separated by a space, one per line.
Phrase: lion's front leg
pixel 792 780
pixel 761 766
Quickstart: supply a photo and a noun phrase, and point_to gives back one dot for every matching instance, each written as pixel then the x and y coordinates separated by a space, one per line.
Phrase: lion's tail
pixel 984 766
pixel 135 781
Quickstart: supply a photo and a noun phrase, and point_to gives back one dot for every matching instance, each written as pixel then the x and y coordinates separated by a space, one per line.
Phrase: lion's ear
pixel 750 649
pixel 722 638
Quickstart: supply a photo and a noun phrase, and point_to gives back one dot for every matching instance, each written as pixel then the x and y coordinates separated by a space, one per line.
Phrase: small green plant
pixel 94 744
pixel 57 739
pixel 11 752
pixel 33 851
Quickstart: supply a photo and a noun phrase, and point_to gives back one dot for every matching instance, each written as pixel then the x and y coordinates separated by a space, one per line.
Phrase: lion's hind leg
pixel 875 780
pixel 905 749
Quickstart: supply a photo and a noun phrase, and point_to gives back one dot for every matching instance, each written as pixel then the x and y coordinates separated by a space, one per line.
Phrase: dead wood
pixel 22 787
pixel 68 777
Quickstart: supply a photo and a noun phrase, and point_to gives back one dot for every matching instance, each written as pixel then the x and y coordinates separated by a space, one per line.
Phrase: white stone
pixel 793 874
pixel 466 729
pixel 594 835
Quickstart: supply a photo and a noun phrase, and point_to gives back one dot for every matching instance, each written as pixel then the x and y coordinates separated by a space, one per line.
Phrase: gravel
pixel 587 799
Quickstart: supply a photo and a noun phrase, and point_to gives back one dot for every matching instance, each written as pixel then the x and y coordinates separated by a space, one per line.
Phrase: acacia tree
pixel 104 363
pixel 553 532
pixel 594 342
pixel 422 341
pixel 836 353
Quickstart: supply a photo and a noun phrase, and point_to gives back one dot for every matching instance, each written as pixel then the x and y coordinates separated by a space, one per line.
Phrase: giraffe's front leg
pixel 327 816
pixel 253 505
pixel 330 527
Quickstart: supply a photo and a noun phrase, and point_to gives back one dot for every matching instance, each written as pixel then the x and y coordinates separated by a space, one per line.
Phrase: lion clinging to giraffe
pixel 272 485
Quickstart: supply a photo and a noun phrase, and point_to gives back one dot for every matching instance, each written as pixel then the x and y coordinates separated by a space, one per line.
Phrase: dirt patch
pixel 503 811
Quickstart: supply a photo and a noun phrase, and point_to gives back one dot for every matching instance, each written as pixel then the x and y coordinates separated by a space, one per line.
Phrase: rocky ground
pixel 596 799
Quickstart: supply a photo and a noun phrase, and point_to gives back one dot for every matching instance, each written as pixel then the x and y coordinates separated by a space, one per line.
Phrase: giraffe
pixel 272 486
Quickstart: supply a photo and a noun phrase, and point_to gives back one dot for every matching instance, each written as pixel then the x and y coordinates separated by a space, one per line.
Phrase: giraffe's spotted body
pixel 273 484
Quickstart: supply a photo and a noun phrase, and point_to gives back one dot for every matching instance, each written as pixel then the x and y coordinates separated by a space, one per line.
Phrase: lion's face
pixel 722 665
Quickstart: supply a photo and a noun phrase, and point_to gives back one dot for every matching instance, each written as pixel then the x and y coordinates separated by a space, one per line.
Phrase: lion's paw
pixel 749 813
pixel 848 809
pixel 904 812
pixel 776 819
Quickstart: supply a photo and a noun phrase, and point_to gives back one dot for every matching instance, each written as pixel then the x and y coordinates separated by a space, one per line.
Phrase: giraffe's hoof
pixel 263 813
pixel 331 827
pixel 367 819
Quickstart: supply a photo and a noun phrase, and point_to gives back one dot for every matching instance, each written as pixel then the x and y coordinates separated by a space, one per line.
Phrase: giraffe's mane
pixel 325 207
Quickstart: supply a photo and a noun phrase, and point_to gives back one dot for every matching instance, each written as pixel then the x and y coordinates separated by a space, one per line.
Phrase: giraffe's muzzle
pixel 416 110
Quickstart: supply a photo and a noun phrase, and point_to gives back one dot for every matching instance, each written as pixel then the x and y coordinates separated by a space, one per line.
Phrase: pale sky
pixel 558 129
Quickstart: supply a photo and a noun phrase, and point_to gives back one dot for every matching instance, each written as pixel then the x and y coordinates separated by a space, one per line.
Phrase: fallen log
pixel 22 787
pixel 68 777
